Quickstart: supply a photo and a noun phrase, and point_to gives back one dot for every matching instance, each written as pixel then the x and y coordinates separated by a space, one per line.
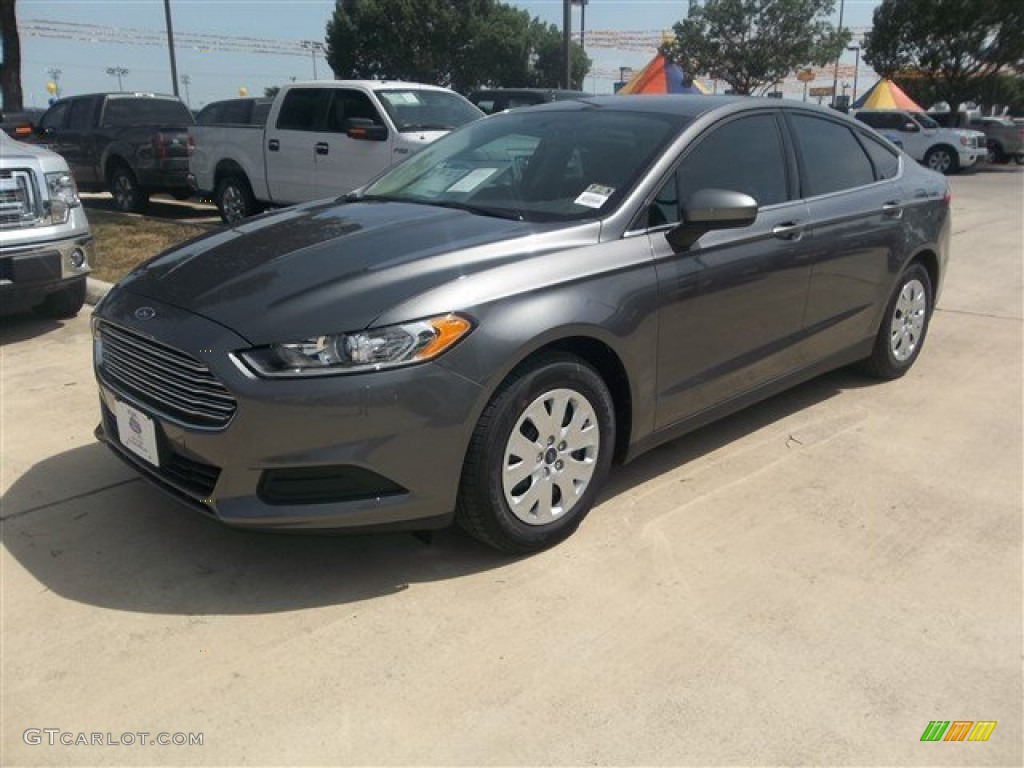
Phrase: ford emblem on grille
pixel 145 313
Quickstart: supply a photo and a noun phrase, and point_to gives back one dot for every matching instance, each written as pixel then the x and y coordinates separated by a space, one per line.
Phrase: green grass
pixel 122 241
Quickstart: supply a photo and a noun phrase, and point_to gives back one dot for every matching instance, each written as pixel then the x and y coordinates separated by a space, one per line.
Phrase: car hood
pixel 330 267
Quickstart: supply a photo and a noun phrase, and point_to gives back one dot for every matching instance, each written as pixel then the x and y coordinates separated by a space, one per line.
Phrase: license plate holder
pixel 137 432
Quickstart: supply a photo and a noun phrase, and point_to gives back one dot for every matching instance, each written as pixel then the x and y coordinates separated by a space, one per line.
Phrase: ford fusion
pixel 478 335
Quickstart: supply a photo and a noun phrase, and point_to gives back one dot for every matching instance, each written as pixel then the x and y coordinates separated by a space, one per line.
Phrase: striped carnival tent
pixel 885 94
pixel 662 76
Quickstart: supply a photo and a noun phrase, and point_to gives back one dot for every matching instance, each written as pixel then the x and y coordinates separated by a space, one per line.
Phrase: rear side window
pixel 744 155
pixel 56 116
pixel 885 160
pixel 144 111
pixel 304 109
pixel 81 114
pixel 833 159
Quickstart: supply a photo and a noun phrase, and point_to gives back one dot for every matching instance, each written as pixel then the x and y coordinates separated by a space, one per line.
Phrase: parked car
pixel 477 334
pixel 132 144
pixel 492 100
pixel 19 125
pixel 45 245
pixel 321 139
pixel 945 150
pixel 249 110
pixel 1004 139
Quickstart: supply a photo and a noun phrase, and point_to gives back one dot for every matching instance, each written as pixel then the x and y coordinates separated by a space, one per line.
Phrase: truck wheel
pixel 943 160
pixel 128 195
pixel 64 303
pixel 234 199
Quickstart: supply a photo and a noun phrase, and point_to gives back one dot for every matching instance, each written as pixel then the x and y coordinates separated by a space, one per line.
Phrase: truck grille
pixel 20 205
pixel 173 384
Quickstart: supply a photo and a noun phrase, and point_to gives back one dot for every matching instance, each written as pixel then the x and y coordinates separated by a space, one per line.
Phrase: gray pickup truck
pixel 1005 138
pixel 45 245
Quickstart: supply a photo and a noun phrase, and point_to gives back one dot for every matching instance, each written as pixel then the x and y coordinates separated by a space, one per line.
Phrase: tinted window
pixel 209 115
pixel 833 159
pixel 886 162
pixel 56 116
pixel 81 114
pixel 883 120
pixel 303 109
pixel 744 155
pixel 132 111
pixel 346 105
pixel 487 105
pixel 665 206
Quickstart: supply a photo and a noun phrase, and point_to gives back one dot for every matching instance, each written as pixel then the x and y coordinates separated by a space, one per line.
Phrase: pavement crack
pixel 76 497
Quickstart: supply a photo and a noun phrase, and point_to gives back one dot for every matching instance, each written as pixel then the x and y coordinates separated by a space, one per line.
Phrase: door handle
pixel 788 230
pixel 322 148
pixel 273 145
pixel 893 209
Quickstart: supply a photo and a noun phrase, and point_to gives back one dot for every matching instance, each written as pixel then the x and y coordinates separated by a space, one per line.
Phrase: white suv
pixel 45 245
pixel 946 150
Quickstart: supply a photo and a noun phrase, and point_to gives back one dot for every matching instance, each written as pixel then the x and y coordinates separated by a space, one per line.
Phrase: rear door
pixel 78 141
pixel 856 201
pixel 732 303
pixel 290 144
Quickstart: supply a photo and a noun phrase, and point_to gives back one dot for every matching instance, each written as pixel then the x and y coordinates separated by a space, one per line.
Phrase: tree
pixel 750 44
pixel 10 67
pixel 460 44
pixel 957 46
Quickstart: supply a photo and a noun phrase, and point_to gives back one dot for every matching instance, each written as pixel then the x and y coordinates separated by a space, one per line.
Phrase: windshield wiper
pixel 497 213
pixel 424 127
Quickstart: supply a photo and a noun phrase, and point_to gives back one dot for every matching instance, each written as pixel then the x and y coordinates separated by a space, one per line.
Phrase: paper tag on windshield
pixel 594 196
pixel 472 180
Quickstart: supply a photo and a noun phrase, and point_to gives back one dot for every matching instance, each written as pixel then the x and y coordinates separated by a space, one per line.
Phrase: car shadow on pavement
pixel 20 327
pixel 126 546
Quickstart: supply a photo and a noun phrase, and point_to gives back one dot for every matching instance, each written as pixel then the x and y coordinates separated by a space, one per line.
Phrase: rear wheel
pixel 234 199
pixel 904 326
pixel 64 303
pixel 538 456
pixel 124 188
pixel 943 160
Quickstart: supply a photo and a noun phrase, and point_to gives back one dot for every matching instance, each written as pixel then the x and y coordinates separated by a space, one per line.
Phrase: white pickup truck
pixel 946 150
pixel 321 139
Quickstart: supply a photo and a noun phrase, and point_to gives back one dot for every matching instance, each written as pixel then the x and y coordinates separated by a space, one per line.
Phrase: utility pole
pixel 313 46
pixel 185 80
pixel 55 73
pixel 117 72
pixel 170 46
pixel 835 75
pixel 856 70
pixel 567 42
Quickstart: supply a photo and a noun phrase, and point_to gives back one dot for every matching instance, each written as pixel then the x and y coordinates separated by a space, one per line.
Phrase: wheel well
pixel 930 262
pixel 115 161
pixel 610 368
pixel 227 168
pixel 948 147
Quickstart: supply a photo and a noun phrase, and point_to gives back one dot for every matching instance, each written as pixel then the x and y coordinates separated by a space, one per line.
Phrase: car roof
pixel 690 106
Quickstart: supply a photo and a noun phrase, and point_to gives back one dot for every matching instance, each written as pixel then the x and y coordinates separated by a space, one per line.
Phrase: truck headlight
pixel 63 196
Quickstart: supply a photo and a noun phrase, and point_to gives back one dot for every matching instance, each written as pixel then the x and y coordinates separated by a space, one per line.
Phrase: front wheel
pixel 943 160
pixel 904 326
pixel 234 199
pixel 538 456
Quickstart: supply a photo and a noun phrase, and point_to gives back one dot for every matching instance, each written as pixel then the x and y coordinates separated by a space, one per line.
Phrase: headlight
pixel 63 196
pixel 370 350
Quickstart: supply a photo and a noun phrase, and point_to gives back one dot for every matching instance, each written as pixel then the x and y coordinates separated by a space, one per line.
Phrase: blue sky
pixel 88 29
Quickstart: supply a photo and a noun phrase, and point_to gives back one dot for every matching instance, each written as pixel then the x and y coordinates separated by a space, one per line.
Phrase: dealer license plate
pixel 137 432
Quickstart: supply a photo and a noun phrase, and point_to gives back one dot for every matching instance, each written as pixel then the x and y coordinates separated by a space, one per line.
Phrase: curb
pixel 95 290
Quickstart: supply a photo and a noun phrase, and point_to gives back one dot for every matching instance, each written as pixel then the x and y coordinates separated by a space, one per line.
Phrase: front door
pixel 290 145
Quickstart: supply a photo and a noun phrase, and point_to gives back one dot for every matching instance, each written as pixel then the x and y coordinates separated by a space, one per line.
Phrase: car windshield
pixel 536 165
pixel 925 121
pixel 423 110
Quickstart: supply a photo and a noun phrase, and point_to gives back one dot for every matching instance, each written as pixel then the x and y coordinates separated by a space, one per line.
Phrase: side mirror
pixel 710 209
pixel 364 129
pixel 910 127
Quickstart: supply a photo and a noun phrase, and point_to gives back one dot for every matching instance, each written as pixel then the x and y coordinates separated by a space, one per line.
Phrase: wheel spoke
pixel 515 473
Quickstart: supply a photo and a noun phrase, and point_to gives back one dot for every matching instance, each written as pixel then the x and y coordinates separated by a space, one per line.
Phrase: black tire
pixel 64 303
pixel 571 387
pixel 902 333
pixel 234 199
pixel 996 154
pixel 943 160
pixel 128 196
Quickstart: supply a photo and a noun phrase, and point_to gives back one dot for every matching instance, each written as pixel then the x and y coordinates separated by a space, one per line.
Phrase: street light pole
pixel 856 69
pixel 567 41
pixel 170 46
pixel 185 80
pixel 117 72
pixel 313 46
pixel 835 76
pixel 55 73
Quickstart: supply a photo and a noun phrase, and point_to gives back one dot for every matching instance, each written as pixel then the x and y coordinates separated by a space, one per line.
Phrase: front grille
pixel 20 205
pixel 172 383
pixel 194 478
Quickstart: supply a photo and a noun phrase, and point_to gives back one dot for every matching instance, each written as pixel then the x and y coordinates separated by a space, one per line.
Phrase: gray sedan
pixel 477 335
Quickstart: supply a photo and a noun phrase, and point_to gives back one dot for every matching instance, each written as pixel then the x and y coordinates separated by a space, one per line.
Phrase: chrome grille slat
pixel 171 382
pixel 20 204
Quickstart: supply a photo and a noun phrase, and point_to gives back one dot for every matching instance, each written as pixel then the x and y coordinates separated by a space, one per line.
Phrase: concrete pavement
pixel 808 582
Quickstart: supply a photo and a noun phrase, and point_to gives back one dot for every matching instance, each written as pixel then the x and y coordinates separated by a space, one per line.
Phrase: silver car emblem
pixel 145 313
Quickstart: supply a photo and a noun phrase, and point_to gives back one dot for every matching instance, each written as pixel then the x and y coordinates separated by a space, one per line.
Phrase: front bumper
pixel 33 267
pixel 370 451
pixel 971 155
